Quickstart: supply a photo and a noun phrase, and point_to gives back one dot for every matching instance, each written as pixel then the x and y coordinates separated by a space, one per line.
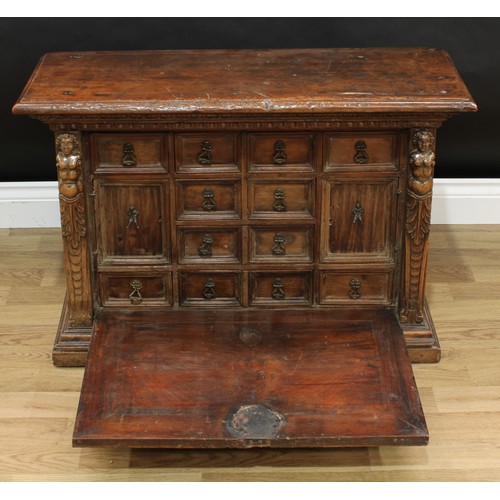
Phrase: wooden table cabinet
pixel 246 237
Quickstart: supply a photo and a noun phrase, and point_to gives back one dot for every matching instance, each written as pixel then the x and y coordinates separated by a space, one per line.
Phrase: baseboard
pixel 456 201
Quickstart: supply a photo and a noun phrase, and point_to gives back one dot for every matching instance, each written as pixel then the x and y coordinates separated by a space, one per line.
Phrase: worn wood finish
pixel 266 81
pixel 459 394
pixel 309 379
pixel 248 181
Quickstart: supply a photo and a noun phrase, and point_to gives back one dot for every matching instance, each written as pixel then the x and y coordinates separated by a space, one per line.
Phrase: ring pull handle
pixel 279 204
pixel 278 292
pixel 209 290
pixel 135 297
pixel 209 204
pixel 205 155
pixel 129 159
pixel 133 215
pixel 279 157
pixel 205 249
pixel 357 211
pixel 279 244
pixel 361 155
pixel 355 292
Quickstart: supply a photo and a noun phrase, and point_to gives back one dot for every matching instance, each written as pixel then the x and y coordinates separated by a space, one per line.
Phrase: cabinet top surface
pixel 372 80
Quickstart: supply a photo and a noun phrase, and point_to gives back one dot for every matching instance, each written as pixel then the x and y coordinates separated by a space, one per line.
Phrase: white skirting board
pixel 456 201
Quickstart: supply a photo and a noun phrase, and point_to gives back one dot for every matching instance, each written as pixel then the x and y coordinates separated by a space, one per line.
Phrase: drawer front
pixel 132 221
pixel 364 151
pixel 283 153
pixel 135 289
pixel 354 287
pixel 281 244
pixel 277 289
pixel 129 152
pixel 210 289
pixel 206 153
pixel 208 200
pixel 359 220
pixel 209 245
pixel 284 199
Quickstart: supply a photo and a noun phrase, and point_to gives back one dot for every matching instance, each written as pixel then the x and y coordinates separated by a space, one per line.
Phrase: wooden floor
pixel 460 395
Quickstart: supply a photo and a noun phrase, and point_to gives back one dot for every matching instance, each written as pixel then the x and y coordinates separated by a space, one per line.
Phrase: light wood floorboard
pixel 460 395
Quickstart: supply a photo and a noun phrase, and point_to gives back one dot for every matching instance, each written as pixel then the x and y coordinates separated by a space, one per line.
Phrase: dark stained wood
pixel 245 230
pixel 308 378
pixel 266 81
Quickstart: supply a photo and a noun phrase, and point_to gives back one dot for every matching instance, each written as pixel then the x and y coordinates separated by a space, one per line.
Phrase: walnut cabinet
pixel 245 240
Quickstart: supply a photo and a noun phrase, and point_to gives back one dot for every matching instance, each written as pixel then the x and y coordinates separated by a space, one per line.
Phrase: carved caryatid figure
pixel 418 223
pixel 73 222
pixel 69 164
pixel 422 161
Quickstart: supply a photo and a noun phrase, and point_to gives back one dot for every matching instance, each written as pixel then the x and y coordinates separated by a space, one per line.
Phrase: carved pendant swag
pixel 418 219
pixel 73 222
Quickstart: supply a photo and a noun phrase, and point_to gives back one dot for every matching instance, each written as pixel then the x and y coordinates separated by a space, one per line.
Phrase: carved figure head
pixel 66 143
pixel 424 141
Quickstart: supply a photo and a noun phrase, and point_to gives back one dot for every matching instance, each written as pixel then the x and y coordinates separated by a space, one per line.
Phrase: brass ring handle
pixel 135 297
pixel 209 290
pixel 205 249
pixel 278 292
pixel 205 155
pixel 129 159
pixel 355 292
pixel 357 211
pixel 133 215
pixel 279 244
pixel 361 155
pixel 279 157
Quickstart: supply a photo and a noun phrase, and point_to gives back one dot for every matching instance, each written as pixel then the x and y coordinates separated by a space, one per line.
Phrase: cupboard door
pixel 132 222
pixel 359 220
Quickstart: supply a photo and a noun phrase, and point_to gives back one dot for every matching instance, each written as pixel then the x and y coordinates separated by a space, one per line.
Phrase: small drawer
pixel 356 287
pixel 281 244
pixel 208 200
pixel 284 152
pixel 210 289
pixel 135 289
pixel 280 288
pixel 285 199
pixel 209 245
pixel 206 153
pixel 129 152
pixel 358 150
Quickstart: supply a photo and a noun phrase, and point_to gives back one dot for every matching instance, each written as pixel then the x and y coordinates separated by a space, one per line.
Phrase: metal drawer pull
pixel 355 292
pixel 279 244
pixel 361 155
pixel 205 249
pixel 133 214
pixel 209 204
pixel 278 289
pixel 135 297
pixel 205 156
pixel 129 159
pixel 209 290
pixel 279 204
pixel 279 157
pixel 357 210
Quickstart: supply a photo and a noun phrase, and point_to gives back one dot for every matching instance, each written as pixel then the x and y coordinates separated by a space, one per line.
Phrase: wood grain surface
pixel 270 81
pixel 460 395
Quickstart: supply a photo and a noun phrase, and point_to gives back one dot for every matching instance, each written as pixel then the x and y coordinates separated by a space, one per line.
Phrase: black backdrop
pixel 467 145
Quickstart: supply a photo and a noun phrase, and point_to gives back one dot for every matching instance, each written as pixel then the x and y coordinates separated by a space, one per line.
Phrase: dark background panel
pixel 466 147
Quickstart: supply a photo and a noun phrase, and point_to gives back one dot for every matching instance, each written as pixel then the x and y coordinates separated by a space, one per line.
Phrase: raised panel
pixel 129 153
pixel 356 287
pixel 278 289
pixel 281 199
pixel 280 152
pixel 359 219
pixel 361 150
pixel 135 289
pixel 209 245
pixel 209 289
pixel 207 152
pixel 281 244
pixel 208 200
pixel 132 220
